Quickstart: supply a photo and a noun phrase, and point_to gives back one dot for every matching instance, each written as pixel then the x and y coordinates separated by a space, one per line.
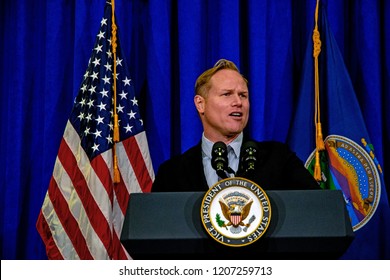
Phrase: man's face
pixel 225 110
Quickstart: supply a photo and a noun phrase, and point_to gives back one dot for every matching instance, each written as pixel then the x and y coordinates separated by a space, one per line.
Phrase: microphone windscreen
pixel 219 158
pixel 249 155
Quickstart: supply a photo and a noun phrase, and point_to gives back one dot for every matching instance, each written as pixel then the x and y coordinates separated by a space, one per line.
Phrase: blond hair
pixel 202 84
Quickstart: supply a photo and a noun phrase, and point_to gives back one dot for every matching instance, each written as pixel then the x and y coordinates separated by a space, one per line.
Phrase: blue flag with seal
pixel 345 160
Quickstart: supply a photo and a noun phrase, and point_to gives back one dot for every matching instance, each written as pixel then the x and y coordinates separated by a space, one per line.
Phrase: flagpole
pixel 317 115
pixel 116 123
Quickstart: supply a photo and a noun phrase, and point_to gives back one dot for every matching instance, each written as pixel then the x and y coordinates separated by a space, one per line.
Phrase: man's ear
pixel 199 103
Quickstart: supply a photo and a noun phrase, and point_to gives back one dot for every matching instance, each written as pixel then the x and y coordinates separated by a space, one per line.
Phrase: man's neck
pixel 227 139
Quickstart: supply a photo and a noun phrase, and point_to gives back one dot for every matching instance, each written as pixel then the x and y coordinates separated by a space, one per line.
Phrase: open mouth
pixel 235 114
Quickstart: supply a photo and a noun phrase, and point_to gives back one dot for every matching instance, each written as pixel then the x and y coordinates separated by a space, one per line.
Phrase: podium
pixel 309 224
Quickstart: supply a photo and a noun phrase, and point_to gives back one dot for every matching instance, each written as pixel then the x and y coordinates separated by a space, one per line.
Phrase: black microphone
pixel 219 159
pixel 249 158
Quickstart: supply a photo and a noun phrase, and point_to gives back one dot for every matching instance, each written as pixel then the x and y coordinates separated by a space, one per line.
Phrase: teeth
pixel 236 114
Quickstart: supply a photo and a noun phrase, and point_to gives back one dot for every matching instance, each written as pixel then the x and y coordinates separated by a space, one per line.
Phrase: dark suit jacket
pixel 278 168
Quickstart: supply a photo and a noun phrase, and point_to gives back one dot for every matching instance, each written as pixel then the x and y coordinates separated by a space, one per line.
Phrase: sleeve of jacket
pixel 163 180
pixel 280 168
pixel 298 176
pixel 181 173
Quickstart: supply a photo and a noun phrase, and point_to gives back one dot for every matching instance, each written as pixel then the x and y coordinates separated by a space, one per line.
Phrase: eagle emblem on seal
pixel 235 208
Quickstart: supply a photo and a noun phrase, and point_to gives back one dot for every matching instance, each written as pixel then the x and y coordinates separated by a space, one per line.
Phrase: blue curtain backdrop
pixel 45 47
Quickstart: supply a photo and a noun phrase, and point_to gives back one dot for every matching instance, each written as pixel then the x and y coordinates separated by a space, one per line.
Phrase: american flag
pixel 83 212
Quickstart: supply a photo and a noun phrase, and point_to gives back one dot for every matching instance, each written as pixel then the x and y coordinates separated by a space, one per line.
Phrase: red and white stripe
pixel 235 219
pixel 83 211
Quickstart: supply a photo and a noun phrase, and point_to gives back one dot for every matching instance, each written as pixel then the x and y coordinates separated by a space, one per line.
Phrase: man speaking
pixel 222 101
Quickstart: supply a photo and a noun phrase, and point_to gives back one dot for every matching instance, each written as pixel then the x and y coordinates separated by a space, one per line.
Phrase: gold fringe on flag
pixel 317 115
pixel 116 122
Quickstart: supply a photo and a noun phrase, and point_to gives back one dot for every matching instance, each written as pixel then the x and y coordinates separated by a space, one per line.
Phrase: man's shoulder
pixel 272 145
pixel 181 172
pixel 188 156
pixel 274 150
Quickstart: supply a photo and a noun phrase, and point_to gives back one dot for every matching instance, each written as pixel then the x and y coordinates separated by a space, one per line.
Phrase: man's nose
pixel 237 100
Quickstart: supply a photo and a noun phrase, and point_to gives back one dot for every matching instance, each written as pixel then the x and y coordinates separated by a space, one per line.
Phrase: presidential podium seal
pixel 236 212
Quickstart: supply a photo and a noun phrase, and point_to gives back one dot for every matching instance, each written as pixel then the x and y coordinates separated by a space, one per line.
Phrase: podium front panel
pixel 304 225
